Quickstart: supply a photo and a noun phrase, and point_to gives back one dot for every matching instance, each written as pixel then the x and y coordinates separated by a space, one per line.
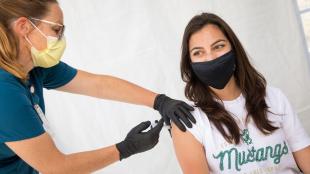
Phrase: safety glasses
pixel 60 31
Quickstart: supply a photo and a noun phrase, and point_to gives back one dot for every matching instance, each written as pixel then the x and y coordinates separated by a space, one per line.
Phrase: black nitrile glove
pixel 174 110
pixel 137 141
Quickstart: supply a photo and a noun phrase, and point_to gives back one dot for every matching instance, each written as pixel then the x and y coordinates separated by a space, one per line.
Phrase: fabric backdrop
pixel 140 41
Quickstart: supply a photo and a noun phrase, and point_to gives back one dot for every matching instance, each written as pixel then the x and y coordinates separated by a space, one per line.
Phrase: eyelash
pixel 57 30
pixel 219 46
pixel 196 53
pixel 215 47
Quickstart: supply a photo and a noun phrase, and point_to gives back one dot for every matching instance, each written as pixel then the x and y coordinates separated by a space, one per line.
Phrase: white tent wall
pixel 140 41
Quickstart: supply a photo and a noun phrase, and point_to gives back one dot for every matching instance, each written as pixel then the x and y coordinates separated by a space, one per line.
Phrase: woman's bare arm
pixel 302 158
pixel 190 152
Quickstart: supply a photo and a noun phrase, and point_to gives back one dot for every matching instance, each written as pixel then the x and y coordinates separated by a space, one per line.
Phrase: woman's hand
pixel 138 141
pixel 174 110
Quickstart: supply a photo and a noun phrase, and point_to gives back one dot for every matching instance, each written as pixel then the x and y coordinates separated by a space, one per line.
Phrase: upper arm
pixel 190 152
pixel 39 152
pixel 302 158
pixel 56 76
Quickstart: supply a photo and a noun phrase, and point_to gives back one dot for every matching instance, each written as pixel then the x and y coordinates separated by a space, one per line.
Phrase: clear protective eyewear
pixel 61 31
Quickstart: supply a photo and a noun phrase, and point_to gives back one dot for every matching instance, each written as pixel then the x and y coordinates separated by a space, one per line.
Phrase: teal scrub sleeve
pixel 58 75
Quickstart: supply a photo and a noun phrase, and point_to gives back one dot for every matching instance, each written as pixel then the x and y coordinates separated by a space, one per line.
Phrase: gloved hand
pixel 137 141
pixel 174 110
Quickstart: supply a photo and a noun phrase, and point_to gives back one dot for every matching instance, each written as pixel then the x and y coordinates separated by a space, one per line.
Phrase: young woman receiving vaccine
pixel 243 125
pixel 31 45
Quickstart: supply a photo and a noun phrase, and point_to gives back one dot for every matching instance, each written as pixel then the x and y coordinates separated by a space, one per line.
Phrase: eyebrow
pixel 220 40
pixel 195 48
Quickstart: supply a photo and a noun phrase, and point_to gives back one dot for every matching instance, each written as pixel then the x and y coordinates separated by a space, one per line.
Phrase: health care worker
pixel 31 45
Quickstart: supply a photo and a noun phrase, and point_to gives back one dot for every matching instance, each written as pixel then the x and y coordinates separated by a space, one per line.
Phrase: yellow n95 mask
pixel 51 55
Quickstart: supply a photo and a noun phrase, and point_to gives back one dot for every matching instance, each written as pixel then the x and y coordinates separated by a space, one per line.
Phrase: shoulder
pixel 275 97
pixel 195 131
pixel 202 121
pixel 202 125
pixel 18 119
pixel 13 93
pixel 200 118
pixel 9 83
pixel 57 75
pixel 273 92
pixel 6 76
pixel 278 104
pixel 199 115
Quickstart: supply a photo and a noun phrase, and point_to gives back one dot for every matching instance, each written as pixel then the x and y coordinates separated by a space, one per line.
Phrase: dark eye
pixel 197 53
pixel 219 46
pixel 56 30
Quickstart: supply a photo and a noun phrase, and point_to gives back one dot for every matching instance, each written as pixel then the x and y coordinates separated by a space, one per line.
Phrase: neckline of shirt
pixel 237 100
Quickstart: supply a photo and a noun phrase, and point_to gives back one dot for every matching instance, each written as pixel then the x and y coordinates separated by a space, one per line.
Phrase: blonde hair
pixel 11 10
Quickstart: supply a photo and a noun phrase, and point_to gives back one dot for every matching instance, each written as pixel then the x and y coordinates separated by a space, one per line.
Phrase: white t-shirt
pixel 257 153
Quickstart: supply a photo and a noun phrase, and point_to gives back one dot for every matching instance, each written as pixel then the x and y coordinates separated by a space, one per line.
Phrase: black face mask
pixel 216 73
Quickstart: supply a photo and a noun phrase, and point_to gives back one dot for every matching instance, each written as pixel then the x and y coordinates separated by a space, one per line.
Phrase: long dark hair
pixel 249 80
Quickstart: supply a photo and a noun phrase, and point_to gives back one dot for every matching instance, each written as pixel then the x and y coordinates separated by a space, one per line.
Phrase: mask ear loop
pixel 27 39
pixel 52 23
pixel 37 29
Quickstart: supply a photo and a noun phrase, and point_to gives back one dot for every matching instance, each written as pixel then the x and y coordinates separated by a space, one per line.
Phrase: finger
pixel 141 127
pixel 188 107
pixel 188 115
pixel 158 127
pixel 167 120
pixel 161 121
pixel 183 117
pixel 178 123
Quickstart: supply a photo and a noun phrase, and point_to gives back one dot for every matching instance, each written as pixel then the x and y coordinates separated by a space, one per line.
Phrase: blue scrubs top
pixel 18 118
